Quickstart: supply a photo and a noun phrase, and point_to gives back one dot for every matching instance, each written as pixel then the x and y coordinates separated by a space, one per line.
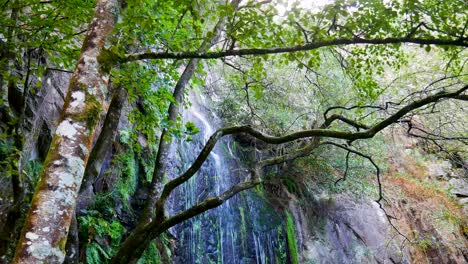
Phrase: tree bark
pixel 45 231
pixel 101 148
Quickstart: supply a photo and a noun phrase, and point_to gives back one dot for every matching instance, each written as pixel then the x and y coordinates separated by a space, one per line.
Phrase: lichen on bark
pixel 44 235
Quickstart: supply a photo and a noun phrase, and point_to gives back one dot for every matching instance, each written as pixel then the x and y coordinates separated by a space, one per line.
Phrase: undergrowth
pixel 97 230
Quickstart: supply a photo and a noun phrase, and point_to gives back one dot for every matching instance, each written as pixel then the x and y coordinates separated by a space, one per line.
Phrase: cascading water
pixel 236 231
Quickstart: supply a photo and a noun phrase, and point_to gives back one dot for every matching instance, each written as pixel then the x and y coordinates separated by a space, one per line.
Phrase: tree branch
pixel 351 108
pixel 345 174
pixel 348 121
pixel 461 42
pixel 369 158
pixel 209 203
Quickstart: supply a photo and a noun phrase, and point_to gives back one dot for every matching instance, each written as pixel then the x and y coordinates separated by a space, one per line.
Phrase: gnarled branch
pixel 369 133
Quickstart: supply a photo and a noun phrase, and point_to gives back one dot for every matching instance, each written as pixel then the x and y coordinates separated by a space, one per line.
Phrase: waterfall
pixel 227 234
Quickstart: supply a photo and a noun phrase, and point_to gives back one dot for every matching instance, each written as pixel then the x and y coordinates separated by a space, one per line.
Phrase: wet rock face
pixel 358 230
pixel 344 229
pixel 42 112
pixel 460 190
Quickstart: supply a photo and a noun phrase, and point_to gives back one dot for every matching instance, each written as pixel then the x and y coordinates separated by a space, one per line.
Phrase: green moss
pixel 291 237
pixel 92 111
pixel 281 251
pixel 63 244
pixel 93 108
pixel 243 230
pixel 243 224
pixel 260 191
pixel 219 245
pixel 290 185
pixel 107 60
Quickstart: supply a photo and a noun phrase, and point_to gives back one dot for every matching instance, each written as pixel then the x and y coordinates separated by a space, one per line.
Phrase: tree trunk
pixel 164 144
pixel 101 148
pixel 45 231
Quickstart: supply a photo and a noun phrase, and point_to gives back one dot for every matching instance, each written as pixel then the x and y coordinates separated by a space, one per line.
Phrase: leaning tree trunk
pixel 101 148
pixel 135 244
pixel 46 227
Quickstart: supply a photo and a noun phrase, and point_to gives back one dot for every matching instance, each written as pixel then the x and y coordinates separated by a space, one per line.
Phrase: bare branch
pixel 351 108
pixel 379 183
pixel 348 121
pixel 369 158
pixel 345 174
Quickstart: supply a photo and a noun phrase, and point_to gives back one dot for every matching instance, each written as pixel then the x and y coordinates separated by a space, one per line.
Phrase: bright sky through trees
pixel 309 4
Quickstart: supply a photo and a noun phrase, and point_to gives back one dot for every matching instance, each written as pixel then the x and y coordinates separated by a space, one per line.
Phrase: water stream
pixel 233 233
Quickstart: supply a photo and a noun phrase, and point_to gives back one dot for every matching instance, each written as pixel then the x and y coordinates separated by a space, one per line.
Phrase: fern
pixel 128 176
pixel 95 229
pixel 95 254
pixel 151 255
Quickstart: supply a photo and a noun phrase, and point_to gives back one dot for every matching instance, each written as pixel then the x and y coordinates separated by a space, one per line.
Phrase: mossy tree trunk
pixel 44 234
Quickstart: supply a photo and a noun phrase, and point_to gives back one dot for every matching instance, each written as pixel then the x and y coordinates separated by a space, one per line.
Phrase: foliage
pixel 150 94
pixel 151 255
pixel 51 29
pixel 7 152
pixel 127 169
pixel 32 171
pixel 96 229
